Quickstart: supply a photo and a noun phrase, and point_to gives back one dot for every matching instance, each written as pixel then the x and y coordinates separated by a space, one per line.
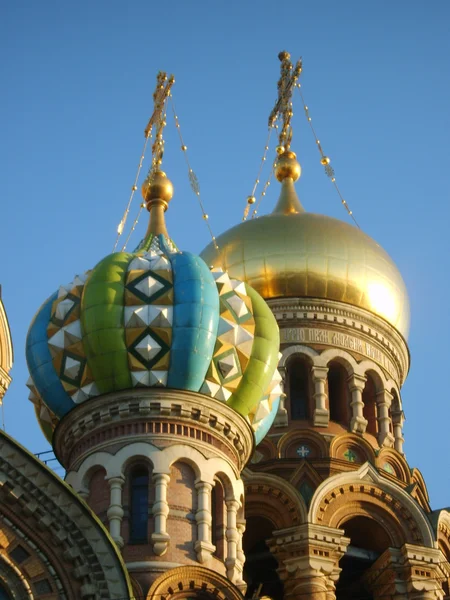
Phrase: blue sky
pixel 77 83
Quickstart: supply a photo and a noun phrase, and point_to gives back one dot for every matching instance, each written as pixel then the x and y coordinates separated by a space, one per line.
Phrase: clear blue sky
pixel 77 80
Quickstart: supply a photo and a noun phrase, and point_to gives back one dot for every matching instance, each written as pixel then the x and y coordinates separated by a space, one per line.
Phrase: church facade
pixel 231 425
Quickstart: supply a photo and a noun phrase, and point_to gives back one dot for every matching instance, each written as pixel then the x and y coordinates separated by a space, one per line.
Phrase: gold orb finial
pixel 284 55
pixel 287 166
pixel 157 188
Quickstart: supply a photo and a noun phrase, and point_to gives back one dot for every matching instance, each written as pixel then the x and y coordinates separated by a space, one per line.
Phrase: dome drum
pixel 157 416
pixel 324 324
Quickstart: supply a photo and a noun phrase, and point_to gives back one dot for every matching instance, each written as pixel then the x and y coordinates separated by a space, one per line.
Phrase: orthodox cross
pixel 350 456
pixel 158 120
pixel 283 105
pixel 303 451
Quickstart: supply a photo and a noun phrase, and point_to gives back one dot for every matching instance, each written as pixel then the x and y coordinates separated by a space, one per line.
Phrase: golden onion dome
pixel 293 253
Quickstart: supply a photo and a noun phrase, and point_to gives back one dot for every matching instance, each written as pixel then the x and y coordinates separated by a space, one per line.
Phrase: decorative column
pixel 321 413
pixel 115 510
pixel 384 401
pixel 397 419
pixel 203 546
pixel 358 423
pixel 308 560
pixel 232 536
pixel 240 554
pixel 160 537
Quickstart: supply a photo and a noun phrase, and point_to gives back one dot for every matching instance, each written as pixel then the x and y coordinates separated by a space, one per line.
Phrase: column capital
pixel 384 397
pixel 117 480
pixel 309 546
pixel 165 477
pixel 319 372
pixel 357 382
pixel 308 558
pixel 232 504
pixel 200 485
pixel 411 571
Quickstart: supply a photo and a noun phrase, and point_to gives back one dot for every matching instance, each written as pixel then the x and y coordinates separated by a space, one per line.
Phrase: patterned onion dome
pixel 293 253
pixel 157 317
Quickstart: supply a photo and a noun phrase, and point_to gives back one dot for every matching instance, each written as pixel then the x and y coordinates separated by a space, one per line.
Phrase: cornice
pixel 312 312
pixel 161 416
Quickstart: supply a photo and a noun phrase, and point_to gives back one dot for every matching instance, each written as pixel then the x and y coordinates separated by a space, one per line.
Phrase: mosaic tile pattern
pixel 155 317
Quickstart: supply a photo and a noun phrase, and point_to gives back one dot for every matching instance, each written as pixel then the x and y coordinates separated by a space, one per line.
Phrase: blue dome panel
pixel 195 321
pixel 40 363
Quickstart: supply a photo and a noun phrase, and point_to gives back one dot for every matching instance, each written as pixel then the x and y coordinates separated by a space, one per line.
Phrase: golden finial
pixel 287 166
pixel 157 191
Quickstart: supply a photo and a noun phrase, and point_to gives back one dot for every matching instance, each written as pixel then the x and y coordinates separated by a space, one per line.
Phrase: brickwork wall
pixel 99 494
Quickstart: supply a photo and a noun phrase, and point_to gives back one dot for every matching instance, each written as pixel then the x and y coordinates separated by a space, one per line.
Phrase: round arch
pixel 297 350
pixel 287 507
pixel 375 496
pixel 193 582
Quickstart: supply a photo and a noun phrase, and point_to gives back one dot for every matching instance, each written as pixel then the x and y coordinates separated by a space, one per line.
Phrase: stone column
pixel 385 437
pixel 308 558
pixel 321 413
pixel 115 510
pixel 240 560
pixel 233 572
pixel 203 546
pixel 160 537
pixel 412 572
pixel 398 418
pixel 358 423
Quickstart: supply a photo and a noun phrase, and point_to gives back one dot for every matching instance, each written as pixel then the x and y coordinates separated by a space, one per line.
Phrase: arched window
pixel 298 374
pixel 338 399
pixel 369 398
pixel 395 411
pixel 218 523
pixel 139 501
pixel 260 568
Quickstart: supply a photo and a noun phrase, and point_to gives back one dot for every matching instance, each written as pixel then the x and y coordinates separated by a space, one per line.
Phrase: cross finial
pixel 164 84
pixel 283 105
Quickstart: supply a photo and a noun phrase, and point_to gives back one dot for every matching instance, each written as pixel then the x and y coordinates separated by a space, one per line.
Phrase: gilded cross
pixel 164 84
pixel 283 105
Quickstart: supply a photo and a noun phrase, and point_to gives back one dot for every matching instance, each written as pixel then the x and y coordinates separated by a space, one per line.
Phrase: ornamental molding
pixel 159 416
pixel 367 485
pixel 302 319
pixel 271 485
pixel 190 581
pixel 32 494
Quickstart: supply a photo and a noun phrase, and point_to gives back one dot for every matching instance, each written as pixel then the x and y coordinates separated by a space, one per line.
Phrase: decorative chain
pixel 252 199
pixel 193 180
pixel 325 160
pixel 264 190
pixel 121 225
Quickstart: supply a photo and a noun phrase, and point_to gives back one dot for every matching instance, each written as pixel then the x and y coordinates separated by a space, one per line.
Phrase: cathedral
pixel 230 424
